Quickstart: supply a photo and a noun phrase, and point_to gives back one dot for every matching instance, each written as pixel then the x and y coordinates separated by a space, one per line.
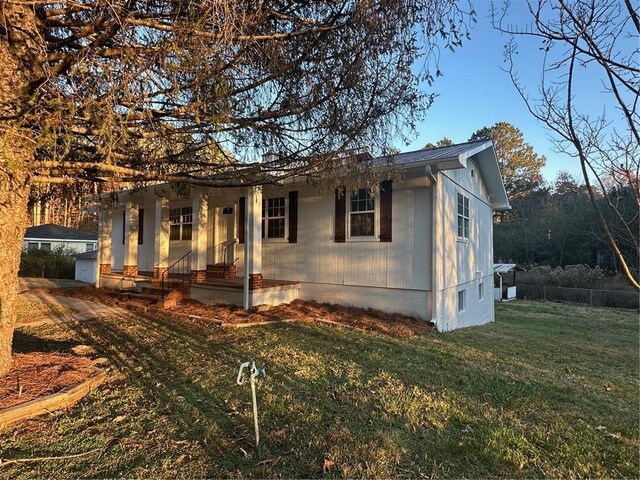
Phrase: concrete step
pixel 152 290
pixel 149 298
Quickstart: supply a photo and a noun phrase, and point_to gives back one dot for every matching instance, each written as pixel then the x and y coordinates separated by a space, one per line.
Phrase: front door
pixel 226 223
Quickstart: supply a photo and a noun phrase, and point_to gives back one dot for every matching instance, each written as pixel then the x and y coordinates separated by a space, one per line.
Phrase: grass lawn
pixel 546 391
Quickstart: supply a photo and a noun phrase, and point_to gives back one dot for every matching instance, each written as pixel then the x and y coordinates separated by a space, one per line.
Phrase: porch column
pixel 161 238
pixel 252 244
pixel 105 220
pixel 130 239
pixel 199 238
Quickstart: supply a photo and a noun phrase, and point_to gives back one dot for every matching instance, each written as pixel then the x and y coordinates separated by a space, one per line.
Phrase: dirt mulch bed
pixel 42 374
pixel 396 325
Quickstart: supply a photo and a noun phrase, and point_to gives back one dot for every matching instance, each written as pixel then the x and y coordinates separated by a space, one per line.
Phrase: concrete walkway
pixel 82 310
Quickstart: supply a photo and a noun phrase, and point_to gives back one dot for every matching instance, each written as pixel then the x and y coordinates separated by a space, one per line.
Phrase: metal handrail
pixel 158 265
pixel 179 268
pixel 225 249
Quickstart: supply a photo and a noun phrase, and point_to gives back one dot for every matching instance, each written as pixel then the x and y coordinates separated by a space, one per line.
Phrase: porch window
pixel 45 246
pixel 362 214
pixel 463 217
pixel 31 246
pixel 88 247
pixel 273 217
pixel 180 223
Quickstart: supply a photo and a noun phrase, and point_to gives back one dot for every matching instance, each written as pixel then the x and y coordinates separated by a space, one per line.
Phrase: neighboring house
pixel 50 237
pixel 86 267
pixel 421 246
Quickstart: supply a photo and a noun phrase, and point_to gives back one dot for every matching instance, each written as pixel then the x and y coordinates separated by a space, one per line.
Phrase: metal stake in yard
pixel 251 374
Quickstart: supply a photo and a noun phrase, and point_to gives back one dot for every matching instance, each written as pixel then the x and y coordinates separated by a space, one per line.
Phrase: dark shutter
pixel 341 214
pixel 140 226
pixel 293 217
pixel 242 215
pixel 124 224
pixel 386 192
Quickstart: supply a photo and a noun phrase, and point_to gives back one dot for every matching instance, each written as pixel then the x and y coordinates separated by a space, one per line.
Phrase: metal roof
pixel 456 156
pixel 51 231
pixel 503 267
pixel 446 158
pixel 439 153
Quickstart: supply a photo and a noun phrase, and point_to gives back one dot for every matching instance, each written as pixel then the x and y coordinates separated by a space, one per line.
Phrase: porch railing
pixel 178 274
pixel 225 251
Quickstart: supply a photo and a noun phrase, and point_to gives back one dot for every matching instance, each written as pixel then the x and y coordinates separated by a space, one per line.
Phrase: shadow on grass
pixel 27 342
pixel 375 405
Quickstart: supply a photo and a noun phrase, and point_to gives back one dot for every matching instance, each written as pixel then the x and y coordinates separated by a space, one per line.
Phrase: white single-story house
pixel 50 237
pixel 421 246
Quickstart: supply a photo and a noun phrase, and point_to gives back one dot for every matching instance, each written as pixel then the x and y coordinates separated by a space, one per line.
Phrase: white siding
pixel 404 263
pixel 145 250
pixel 464 264
pixel 86 270
pixel 75 246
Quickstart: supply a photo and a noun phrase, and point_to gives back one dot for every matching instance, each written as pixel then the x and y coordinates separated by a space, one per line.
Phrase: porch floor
pixel 233 282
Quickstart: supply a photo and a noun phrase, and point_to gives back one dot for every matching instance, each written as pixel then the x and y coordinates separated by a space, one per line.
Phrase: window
pixel 88 247
pixel 362 214
pixel 31 246
pixel 45 246
pixel 462 300
pixel 463 216
pixel 180 223
pixel 273 217
pixel 481 290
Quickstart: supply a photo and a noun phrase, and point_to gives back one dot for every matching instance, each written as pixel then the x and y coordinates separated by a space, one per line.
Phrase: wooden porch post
pixel 199 238
pixel 130 239
pixel 105 221
pixel 161 238
pixel 253 244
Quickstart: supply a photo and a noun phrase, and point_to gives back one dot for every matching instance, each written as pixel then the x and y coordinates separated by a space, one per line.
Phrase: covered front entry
pixel 158 235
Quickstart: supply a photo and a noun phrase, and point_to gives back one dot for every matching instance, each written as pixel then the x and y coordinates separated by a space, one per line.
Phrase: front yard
pixel 546 391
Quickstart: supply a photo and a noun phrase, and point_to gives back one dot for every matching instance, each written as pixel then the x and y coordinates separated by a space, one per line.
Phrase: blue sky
pixel 474 92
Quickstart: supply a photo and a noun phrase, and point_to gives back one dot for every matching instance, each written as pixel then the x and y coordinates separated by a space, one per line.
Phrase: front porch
pixel 209 291
pixel 213 240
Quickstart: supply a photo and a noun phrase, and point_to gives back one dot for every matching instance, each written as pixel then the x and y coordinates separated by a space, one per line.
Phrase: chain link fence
pixel 586 296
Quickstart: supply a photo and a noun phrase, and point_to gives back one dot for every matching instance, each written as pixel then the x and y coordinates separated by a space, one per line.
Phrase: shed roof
pixel 93 254
pixel 51 231
pixel 503 267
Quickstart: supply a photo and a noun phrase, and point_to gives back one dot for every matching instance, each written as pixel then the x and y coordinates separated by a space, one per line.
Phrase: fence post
pixel 591 294
pixel 544 293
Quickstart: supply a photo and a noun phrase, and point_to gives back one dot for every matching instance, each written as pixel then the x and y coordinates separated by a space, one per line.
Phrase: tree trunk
pixel 18 53
pixel 14 193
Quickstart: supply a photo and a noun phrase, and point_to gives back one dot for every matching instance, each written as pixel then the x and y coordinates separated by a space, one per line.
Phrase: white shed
pixel 509 293
pixel 86 267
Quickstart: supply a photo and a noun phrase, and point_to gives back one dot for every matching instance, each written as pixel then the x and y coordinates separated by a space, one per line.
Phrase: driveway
pixel 80 310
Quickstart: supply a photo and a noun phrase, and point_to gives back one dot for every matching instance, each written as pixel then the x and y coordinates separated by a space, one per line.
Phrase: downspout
pixel 430 174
